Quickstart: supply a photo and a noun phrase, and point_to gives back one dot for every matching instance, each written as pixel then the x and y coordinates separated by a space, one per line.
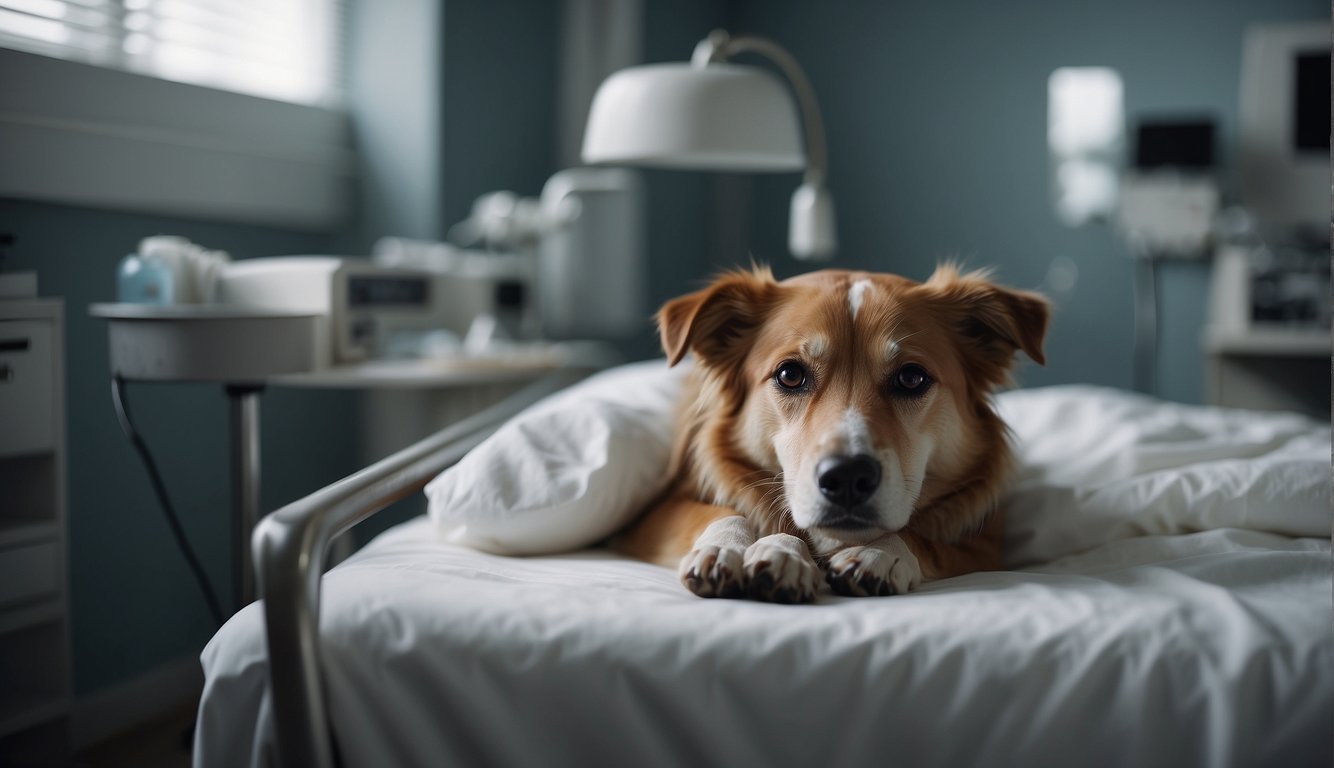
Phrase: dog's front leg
pixel 714 567
pixel 886 566
pixel 780 569
pixel 723 557
pixel 897 563
pixel 728 561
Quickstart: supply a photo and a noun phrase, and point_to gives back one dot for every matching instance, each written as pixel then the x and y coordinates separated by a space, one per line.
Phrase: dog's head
pixel 865 393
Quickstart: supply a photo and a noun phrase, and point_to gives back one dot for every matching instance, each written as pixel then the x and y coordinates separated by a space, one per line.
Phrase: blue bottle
pixel 144 278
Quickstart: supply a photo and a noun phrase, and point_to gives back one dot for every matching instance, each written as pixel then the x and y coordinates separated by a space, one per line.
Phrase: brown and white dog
pixel 837 423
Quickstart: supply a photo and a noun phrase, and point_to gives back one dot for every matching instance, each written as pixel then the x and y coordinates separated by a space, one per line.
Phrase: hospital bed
pixel 1167 602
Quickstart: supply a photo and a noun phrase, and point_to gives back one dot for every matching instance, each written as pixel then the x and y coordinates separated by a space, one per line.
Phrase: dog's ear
pixel 995 320
pixel 717 322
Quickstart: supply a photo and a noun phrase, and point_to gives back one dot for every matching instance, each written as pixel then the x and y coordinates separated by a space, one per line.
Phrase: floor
pixel 163 743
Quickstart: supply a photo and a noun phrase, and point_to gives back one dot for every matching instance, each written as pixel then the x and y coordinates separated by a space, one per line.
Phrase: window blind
pixel 279 49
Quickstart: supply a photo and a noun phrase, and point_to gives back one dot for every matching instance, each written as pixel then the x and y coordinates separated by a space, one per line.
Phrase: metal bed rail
pixel 290 547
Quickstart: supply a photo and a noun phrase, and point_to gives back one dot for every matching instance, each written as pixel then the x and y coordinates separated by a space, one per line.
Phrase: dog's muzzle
pixel 847 483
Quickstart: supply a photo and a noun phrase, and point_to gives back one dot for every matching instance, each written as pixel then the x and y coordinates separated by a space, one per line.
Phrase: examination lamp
pixel 711 115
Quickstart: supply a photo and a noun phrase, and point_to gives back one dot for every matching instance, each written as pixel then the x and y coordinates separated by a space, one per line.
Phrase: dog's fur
pixel 891 379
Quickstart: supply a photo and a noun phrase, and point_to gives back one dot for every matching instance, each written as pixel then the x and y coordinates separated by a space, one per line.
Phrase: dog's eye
pixel 791 375
pixel 911 380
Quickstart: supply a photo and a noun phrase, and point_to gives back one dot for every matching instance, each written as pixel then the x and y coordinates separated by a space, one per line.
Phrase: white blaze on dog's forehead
pixel 856 295
pixel 814 346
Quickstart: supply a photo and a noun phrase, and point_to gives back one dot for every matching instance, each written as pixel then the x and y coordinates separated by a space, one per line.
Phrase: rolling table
pixel 244 350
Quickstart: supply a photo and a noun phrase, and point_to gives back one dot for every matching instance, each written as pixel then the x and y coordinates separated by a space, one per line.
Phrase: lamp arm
pixel 811 232
pixel 720 46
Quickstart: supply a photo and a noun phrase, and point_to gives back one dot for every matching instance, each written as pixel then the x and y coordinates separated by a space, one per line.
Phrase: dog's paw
pixel 713 571
pixel 886 567
pixel 779 569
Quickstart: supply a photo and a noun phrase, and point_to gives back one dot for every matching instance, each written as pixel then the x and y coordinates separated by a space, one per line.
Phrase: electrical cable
pixel 155 478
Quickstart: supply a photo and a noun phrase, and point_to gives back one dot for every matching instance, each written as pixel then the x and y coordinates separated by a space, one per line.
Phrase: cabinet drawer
pixel 29 572
pixel 27 387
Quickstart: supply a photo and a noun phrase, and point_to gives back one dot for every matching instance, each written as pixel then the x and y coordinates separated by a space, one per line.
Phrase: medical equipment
pixel 583 238
pixel 363 304
pixel 1283 128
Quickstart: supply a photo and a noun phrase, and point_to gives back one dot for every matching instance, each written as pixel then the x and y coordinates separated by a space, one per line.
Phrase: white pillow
pixel 568 471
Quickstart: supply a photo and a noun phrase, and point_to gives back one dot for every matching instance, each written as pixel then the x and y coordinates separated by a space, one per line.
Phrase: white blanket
pixel 1174 608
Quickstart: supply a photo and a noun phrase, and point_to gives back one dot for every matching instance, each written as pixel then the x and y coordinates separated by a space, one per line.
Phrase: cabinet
pixel 35 684
pixel 1265 364
pixel 1270 369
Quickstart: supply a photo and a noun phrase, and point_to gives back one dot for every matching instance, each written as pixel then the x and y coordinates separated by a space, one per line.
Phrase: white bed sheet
pixel 1160 638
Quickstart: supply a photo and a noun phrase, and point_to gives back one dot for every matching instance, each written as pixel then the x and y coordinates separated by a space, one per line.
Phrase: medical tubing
pixel 1145 362
pixel 155 478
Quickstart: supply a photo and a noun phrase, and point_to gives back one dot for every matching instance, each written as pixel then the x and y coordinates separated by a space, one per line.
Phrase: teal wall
pixel 936 117
pixel 498 99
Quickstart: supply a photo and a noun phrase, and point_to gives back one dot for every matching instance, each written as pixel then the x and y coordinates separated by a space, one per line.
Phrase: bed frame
pixel 290 548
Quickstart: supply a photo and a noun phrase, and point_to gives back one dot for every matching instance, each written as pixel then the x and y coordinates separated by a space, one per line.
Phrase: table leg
pixel 245 485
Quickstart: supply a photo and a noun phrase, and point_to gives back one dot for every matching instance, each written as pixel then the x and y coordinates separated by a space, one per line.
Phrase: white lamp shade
pixel 811 234
pixel 720 117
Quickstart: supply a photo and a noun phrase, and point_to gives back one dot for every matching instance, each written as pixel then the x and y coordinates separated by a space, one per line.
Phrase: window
pixel 279 49
pixel 101 105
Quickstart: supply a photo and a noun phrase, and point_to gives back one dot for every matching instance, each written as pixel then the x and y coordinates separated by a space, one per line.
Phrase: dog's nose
pixel 848 480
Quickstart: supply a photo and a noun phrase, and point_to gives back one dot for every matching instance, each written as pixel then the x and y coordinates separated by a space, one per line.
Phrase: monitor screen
pixel 1186 144
pixel 1310 102
pixel 379 291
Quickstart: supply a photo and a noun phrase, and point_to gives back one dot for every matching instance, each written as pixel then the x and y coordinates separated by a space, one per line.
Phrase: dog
pixel 837 427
